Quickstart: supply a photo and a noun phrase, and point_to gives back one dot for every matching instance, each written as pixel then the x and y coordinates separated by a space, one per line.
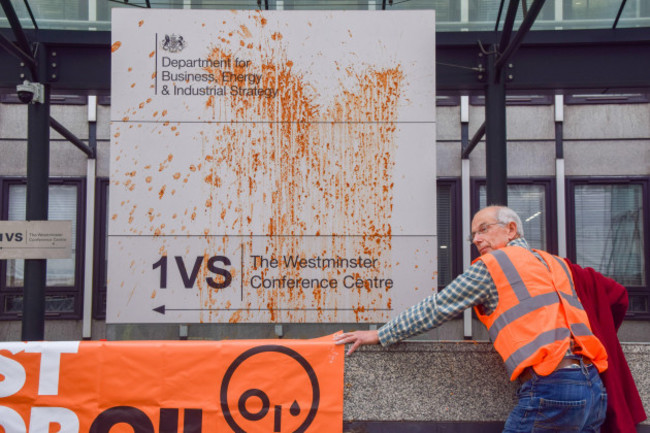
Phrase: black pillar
pixel 495 134
pixel 38 159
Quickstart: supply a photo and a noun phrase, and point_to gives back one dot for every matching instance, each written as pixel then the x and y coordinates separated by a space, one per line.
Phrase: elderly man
pixel 527 301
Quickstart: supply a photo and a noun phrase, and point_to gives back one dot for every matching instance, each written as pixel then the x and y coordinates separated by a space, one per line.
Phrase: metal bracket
pixel 481 67
pixel 182 332
pixel 52 67
pixel 24 72
pixel 510 72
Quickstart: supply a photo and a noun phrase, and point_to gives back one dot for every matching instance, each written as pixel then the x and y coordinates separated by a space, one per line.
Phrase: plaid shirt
pixel 471 288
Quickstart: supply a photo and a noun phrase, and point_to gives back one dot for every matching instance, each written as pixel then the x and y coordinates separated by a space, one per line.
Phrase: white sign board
pixel 271 166
pixel 35 239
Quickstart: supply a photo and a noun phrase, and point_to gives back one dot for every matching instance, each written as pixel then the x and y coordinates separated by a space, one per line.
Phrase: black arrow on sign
pixel 162 309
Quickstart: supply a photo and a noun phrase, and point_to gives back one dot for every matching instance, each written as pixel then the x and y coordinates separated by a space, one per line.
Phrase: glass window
pixel 529 201
pixel 62 206
pixel 63 285
pixel 321 4
pixel 446 10
pixel 487 11
pixel 45 10
pixel 609 231
pixel 448 212
pixel 593 9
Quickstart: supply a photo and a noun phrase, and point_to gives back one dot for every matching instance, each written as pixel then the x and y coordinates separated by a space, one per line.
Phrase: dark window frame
pixel 447 99
pixel 456 224
pixel 55 99
pixel 644 181
pixel 77 289
pixel 100 269
pixel 515 99
pixel 551 206
pixel 586 98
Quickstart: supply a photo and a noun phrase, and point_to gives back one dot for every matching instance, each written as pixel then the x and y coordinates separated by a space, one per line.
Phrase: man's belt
pixel 527 374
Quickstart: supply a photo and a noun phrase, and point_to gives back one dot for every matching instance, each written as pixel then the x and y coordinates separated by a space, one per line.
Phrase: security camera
pixel 30 92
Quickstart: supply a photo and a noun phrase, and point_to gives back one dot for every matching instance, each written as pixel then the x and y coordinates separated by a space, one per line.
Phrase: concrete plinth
pixel 445 382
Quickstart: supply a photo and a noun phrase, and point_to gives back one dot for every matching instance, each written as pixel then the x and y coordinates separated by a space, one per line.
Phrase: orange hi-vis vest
pixel 538 313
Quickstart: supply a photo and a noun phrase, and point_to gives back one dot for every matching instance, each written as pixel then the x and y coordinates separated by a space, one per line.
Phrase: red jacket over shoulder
pixel 605 302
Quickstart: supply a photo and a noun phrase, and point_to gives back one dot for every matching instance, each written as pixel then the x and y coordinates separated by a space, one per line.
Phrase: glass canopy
pixel 452 15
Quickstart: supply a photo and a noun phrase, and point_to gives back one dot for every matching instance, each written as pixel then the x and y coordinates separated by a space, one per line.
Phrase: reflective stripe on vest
pixel 526 351
pixel 573 300
pixel 520 310
pixel 511 273
pixel 580 330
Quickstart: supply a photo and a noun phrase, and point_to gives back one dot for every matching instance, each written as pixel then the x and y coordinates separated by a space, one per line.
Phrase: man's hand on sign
pixel 357 338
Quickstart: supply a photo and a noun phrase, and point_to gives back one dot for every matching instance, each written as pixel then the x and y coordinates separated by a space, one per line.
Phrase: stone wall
pixel 445 382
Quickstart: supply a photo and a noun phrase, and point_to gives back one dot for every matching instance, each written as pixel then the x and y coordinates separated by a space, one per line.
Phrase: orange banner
pixel 171 386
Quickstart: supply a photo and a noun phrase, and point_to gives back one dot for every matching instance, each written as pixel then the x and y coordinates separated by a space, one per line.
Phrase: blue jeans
pixel 567 400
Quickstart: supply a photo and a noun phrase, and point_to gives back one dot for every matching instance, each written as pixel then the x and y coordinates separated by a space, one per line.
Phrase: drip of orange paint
pixel 340 176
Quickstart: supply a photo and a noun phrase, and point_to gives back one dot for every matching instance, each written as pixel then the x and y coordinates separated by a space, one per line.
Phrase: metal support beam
pixel 31 14
pixel 560 176
pixel 548 60
pixel 72 138
pixel 478 135
pixel 508 23
pixel 38 170
pixel 19 34
pixel 16 51
pixel 496 155
pixel 465 204
pixel 465 176
pixel 618 15
pixel 91 189
pixel 496 24
pixel 526 24
pixel 495 130
pixel 91 182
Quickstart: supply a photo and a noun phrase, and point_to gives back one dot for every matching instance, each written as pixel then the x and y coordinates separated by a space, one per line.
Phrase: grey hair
pixel 506 215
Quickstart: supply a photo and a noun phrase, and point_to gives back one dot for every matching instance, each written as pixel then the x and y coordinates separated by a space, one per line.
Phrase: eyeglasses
pixel 481 231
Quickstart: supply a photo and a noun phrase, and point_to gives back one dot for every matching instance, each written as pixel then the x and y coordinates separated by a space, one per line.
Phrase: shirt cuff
pixel 386 336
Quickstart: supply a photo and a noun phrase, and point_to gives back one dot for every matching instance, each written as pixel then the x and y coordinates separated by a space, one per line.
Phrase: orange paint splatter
pixel 116 46
pixel 245 32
